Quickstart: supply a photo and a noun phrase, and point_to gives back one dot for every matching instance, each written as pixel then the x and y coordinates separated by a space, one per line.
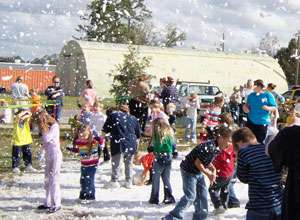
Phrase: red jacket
pixel 225 162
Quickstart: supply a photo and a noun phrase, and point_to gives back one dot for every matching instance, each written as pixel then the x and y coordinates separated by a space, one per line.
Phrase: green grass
pixel 70 102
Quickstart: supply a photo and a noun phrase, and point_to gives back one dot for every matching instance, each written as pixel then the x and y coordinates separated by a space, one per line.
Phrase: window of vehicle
pixel 297 94
pixel 183 90
pixel 203 90
pixel 287 95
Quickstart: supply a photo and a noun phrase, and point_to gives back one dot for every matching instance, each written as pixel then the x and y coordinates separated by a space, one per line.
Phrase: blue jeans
pixel 161 169
pixel 265 214
pixel 219 192
pixel 87 183
pixel 16 150
pixel 233 201
pixel 190 129
pixel 195 192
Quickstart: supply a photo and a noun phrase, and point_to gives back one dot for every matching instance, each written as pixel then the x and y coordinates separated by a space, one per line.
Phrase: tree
pixel 287 60
pixel 113 21
pixel 173 36
pixel 133 67
pixel 270 44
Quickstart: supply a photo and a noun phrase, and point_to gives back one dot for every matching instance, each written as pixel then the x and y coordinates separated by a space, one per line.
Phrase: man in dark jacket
pixel 285 152
pixel 124 130
pixel 55 93
pixel 169 93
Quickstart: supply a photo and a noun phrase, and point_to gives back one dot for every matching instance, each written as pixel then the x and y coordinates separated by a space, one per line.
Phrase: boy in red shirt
pixel 224 164
pixel 147 162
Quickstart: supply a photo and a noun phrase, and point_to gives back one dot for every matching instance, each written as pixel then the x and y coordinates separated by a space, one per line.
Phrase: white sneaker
pixel 128 185
pixel 112 185
pixel 219 211
pixel 30 169
pixel 16 170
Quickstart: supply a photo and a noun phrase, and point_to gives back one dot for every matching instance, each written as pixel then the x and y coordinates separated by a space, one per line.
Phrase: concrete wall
pixel 223 70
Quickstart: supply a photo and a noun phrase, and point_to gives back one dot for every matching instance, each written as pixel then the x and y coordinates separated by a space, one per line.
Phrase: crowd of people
pixel 237 139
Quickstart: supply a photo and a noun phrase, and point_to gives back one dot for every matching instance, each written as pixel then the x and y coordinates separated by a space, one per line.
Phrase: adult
pixel 20 92
pixel 124 133
pixel 55 93
pixel 285 152
pixel 248 89
pixel 169 92
pixel 279 98
pixel 139 98
pixel 89 94
pixel 51 143
pixel 258 108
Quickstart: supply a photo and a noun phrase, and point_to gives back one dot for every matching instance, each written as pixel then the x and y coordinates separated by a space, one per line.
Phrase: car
pixel 205 91
pixel 292 95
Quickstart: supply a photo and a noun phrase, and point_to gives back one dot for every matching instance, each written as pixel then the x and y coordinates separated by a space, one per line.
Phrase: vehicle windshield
pixel 203 90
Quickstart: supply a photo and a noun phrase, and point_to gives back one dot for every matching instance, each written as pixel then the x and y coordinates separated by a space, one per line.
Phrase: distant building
pixel 81 60
pixel 35 75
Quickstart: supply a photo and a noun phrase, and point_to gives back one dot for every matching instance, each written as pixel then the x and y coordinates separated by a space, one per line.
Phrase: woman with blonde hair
pixel 50 133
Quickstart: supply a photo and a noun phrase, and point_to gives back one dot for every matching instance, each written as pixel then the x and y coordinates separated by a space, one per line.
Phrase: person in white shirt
pixel 191 105
pixel 19 90
pixel 5 113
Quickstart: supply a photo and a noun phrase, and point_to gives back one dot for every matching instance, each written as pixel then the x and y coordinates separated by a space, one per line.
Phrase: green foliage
pixel 113 21
pixel 125 74
pixel 287 62
pixel 173 36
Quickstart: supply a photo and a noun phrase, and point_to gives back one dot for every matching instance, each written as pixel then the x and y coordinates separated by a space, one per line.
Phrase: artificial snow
pixel 21 194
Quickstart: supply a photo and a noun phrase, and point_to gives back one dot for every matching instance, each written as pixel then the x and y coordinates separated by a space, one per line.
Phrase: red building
pixel 35 75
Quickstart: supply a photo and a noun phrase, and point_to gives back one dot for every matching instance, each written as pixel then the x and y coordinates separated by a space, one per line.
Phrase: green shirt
pixel 163 146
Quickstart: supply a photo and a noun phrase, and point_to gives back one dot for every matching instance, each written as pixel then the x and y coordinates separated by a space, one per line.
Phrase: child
pixel 195 164
pixel 97 121
pixel 224 163
pixel 35 100
pixel 147 162
pixel 87 147
pixel 157 110
pixel 255 168
pixel 213 115
pixel 124 130
pixel 5 113
pixel 191 106
pixel 163 140
pixel 51 143
pixel 171 108
pixel 22 141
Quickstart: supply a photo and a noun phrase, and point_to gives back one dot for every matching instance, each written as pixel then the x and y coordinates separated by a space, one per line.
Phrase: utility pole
pixel 223 43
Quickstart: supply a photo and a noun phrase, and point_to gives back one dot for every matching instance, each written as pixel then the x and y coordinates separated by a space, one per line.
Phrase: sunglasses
pixel 56 82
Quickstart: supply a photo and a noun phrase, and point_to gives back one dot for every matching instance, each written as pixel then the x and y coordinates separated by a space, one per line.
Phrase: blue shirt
pixel 256 101
pixel 255 168
pixel 124 131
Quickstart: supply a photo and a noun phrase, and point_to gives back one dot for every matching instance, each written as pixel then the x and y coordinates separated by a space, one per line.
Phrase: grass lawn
pixel 70 102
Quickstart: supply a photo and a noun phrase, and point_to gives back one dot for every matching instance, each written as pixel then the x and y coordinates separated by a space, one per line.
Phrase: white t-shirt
pixel 191 108
pixel 7 115
pixel 19 91
pixel 97 121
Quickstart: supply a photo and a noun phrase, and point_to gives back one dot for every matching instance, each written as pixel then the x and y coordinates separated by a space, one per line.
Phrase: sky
pixel 33 28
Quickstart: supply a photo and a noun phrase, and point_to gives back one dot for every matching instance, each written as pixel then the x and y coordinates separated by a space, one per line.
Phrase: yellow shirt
pixel 21 134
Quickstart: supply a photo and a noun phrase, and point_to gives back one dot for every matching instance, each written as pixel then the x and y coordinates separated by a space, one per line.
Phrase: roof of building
pixel 27 66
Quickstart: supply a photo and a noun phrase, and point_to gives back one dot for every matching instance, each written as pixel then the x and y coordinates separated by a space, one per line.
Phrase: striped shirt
pixel 88 154
pixel 255 168
pixel 205 152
